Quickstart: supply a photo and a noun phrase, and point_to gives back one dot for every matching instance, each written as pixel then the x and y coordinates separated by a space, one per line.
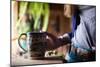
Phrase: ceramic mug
pixel 35 44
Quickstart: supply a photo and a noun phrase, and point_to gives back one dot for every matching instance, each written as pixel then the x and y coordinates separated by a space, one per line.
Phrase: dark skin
pixel 54 42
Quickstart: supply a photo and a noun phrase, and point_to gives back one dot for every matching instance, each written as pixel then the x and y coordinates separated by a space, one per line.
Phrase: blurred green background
pixel 33 16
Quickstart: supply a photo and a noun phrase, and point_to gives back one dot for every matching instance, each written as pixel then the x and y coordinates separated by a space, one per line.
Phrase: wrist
pixel 64 39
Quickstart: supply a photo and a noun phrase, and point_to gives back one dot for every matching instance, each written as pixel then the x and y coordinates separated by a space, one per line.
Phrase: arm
pixel 83 45
pixel 55 42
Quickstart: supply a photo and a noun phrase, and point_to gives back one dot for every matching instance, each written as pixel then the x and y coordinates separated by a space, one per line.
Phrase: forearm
pixel 56 42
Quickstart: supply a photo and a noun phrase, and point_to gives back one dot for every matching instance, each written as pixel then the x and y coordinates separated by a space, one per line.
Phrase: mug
pixel 35 44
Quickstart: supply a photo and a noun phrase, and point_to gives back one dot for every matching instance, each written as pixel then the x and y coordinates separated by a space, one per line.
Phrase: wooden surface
pixel 20 60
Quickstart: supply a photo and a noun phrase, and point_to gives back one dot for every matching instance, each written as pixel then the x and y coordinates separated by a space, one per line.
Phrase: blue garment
pixel 84 36
pixel 75 23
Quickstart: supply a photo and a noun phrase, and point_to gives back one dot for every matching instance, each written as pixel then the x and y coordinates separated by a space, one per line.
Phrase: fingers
pixel 52 41
pixel 50 44
pixel 51 36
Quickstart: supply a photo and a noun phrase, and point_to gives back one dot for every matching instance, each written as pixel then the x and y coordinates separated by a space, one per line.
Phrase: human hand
pixel 53 42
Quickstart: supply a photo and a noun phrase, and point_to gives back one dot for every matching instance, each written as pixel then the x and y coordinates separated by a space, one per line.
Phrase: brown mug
pixel 35 44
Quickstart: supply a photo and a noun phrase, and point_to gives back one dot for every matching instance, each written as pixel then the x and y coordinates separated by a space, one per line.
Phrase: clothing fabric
pixel 84 38
pixel 75 23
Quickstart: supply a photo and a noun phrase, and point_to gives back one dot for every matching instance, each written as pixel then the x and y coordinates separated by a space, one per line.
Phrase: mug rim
pixel 35 32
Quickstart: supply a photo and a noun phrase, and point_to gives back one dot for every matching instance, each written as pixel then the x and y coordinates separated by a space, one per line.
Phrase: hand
pixel 53 42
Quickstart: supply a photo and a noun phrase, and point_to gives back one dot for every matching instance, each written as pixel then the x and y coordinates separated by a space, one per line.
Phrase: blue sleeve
pixel 84 40
pixel 75 23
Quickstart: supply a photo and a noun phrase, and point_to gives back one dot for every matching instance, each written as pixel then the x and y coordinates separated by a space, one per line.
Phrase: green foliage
pixel 22 8
pixel 37 10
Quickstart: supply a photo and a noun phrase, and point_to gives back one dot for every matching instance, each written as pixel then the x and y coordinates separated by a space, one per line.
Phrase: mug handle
pixel 20 43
